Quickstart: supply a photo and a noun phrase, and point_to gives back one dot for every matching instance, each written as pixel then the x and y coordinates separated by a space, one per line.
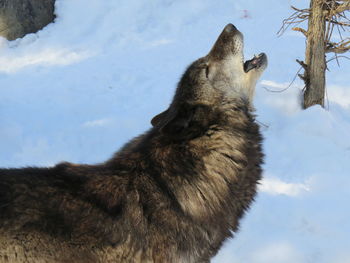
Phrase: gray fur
pixel 173 194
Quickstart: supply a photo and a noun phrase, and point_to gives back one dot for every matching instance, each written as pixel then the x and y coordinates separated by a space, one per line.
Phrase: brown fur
pixel 173 194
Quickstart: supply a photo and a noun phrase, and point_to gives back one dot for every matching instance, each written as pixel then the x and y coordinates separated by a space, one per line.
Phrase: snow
pixel 84 85
pixel 276 186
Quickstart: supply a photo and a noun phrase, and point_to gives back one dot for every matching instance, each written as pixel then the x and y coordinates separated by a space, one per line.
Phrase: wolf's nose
pixel 230 28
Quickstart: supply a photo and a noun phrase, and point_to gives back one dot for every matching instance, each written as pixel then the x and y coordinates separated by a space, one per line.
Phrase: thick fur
pixel 173 194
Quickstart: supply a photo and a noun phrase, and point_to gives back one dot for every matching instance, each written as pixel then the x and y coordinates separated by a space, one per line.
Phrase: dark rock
pixel 21 17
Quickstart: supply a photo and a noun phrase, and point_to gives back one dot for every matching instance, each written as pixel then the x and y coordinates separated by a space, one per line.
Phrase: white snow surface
pixel 83 86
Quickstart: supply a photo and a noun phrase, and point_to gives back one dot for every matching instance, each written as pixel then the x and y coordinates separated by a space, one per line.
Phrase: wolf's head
pixel 207 82
pixel 226 70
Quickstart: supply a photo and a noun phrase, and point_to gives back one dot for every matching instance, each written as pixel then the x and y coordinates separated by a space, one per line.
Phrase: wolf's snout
pixel 230 28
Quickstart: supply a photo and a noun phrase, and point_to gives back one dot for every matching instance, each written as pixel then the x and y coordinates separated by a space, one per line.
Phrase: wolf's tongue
pixel 252 63
pixel 249 65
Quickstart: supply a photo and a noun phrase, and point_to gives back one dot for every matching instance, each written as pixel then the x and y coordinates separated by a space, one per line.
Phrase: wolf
pixel 172 194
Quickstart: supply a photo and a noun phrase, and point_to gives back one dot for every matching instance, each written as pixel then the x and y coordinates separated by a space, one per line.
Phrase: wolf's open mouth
pixel 255 62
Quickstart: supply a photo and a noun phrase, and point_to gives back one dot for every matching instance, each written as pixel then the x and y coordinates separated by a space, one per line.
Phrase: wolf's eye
pixel 207 71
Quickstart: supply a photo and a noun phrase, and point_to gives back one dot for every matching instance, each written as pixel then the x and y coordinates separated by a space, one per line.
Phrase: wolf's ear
pixel 184 122
pixel 158 118
pixel 173 122
pixel 178 122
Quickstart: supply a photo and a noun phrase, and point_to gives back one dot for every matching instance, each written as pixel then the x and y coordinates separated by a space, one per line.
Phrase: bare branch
pixel 299 16
pixel 329 32
pixel 306 10
pixel 300 30
pixel 303 77
pixel 340 8
pixel 290 84
pixel 336 57
pixel 331 20
pixel 301 63
pixel 338 48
